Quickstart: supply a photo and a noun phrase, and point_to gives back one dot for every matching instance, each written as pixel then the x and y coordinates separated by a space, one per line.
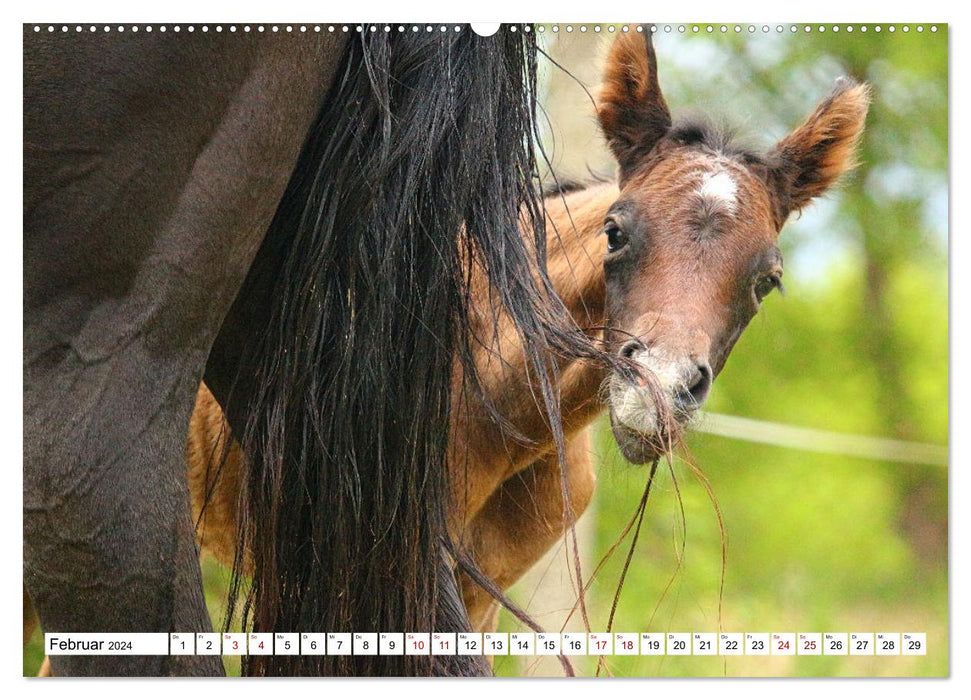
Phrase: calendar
pixel 514 644
pixel 647 323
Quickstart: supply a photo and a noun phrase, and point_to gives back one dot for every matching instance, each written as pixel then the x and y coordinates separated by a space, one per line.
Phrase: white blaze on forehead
pixel 719 190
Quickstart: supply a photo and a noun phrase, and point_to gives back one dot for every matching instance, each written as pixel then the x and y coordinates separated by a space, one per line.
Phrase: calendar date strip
pixel 491 644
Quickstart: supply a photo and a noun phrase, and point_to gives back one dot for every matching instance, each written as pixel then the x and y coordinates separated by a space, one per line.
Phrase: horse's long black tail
pixel 348 403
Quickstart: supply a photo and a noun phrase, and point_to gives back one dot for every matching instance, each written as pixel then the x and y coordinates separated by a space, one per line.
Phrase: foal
pixel 674 260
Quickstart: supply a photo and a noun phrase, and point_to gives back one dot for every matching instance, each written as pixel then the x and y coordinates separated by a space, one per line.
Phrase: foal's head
pixel 691 240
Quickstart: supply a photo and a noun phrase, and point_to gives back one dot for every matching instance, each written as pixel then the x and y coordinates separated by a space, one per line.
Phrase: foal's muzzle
pixel 649 413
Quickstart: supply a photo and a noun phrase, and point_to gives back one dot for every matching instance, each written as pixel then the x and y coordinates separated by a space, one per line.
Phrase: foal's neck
pixel 576 249
pixel 575 264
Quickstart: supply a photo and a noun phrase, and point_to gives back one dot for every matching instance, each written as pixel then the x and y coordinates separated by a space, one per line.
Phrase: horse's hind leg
pixel 521 521
pixel 108 541
pixel 152 170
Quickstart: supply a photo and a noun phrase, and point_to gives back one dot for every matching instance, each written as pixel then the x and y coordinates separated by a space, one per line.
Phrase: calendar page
pixel 547 349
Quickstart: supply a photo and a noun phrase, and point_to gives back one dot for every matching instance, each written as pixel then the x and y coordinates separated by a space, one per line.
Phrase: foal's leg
pixel 30 617
pixel 521 521
pixel 216 473
pixel 30 624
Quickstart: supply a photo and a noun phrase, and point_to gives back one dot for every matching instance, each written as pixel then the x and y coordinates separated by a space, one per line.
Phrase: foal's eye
pixel 766 284
pixel 616 239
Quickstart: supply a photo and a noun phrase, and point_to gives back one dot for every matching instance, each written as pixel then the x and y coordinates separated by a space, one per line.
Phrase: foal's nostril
pixel 628 349
pixel 700 387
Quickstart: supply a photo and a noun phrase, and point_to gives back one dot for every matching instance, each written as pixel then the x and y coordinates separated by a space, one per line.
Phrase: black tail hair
pixel 347 419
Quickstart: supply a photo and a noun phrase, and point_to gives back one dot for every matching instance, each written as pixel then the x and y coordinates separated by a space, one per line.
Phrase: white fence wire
pixel 823 441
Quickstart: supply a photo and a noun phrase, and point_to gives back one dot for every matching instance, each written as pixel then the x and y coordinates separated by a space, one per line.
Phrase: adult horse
pixel 281 214
pixel 667 266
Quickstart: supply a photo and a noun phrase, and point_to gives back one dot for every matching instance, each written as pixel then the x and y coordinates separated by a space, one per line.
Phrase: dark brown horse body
pixel 150 181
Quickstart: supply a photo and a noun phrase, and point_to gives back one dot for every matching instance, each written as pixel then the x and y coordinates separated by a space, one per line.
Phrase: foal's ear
pixel 632 111
pixel 810 159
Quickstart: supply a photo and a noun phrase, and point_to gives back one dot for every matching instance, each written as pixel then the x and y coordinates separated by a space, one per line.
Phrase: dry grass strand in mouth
pixel 668 440
pixel 671 439
pixel 639 518
pixel 681 546
pixel 688 459
pixel 680 551
pixel 651 384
